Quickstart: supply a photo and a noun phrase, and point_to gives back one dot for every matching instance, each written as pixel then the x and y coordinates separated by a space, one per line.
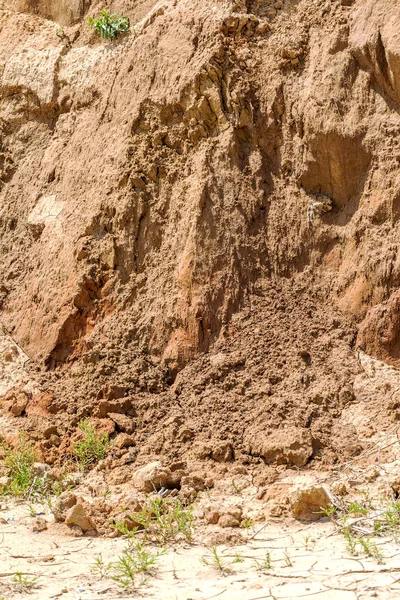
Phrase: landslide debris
pixel 198 229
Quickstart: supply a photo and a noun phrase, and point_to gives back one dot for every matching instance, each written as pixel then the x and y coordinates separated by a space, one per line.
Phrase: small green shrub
pixel 92 448
pixel 24 583
pixel 131 568
pixel 161 521
pixel 18 462
pixel 265 564
pixel 109 26
pixel 215 561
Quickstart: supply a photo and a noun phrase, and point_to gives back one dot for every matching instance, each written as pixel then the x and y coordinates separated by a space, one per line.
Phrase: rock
pixel 212 514
pixel 222 453
pixel 235 511
pixel 371 473
pixel 228 521
pixel 339 488
pixel 39 525
pixel 64 502
pixel 201 450
pixel 129 457
pixel 123 440
pixel 307 501
pixel 41 470
pixel 194 481
pixel 5 481
pixel 77 516
pixel 19 403
pixel 123 422
pixel 152 477
pixel 223 516
pixel 75 531
pixel 283 446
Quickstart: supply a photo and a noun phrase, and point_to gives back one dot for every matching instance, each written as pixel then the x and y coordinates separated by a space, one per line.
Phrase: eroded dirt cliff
pixel 199 224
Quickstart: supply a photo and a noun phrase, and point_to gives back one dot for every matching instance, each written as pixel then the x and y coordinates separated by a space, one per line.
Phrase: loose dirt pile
pixel 198 229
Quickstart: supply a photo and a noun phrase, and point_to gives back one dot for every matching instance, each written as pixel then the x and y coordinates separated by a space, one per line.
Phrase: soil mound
pixel 199 225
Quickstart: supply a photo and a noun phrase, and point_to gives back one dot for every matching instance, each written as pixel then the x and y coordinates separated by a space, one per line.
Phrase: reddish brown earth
pixel 199 223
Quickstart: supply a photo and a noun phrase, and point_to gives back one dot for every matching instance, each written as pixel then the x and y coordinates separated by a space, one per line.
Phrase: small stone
pixel 123 440
pixel 222 453
pixel 41 470
pixel 123 422
pixel 152 477
pixel 64 502
pixel 228 520
pixel 5 481
pixel 307 502
pixel 39 525
pixel 339 488
pixel 212 514
pixel 201 450
pixel 77 516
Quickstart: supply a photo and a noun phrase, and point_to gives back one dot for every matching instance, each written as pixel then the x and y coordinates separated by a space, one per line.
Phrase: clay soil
pixel 199 226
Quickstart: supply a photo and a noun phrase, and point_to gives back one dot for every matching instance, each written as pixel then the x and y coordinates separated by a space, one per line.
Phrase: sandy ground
pixel 320 566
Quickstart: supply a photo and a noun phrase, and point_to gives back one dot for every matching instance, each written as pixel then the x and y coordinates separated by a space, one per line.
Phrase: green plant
pixel 92 448
pixel 19 462
pixel 307 541
pixel 24 583
pixel 357 509
pixel 237 558
pixel 265 564
pixel 31 510
pixel 100 568
pixel 351 541
pixel 132 567
pixel 371 549
pixel 236 488
pixel 329 512
pixel 109 26
pixel 247 523
pixel 288 560
pixel 161 520
pixel 215 561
